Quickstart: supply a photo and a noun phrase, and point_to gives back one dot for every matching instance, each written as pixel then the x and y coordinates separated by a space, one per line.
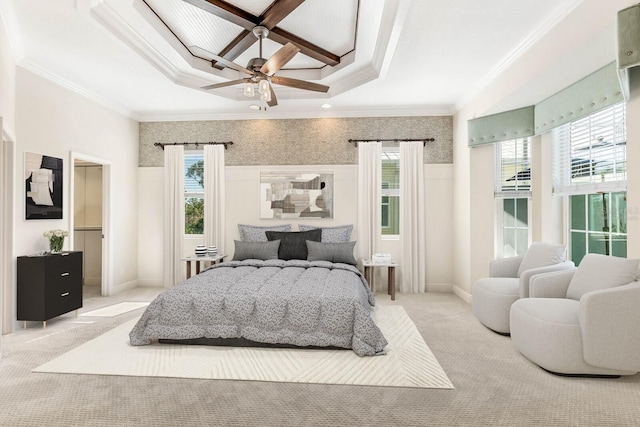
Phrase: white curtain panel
pixel 214 197
pixel 173 214
pixel 412 218
pixel 369 184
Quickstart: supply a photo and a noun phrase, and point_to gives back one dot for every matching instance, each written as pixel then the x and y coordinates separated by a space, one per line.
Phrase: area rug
pixel 408 361
pixel 115 309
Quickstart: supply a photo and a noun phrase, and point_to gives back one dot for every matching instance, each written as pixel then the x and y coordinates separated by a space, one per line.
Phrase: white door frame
pixel 7 264
pixel 107 257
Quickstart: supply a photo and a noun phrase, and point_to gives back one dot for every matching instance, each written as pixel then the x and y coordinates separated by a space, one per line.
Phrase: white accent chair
pixel 509 280
pixel 582 322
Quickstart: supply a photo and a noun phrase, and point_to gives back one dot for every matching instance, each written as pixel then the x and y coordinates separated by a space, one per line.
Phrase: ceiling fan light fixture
pixel 248 90
pixel 266 97
pixel 263 87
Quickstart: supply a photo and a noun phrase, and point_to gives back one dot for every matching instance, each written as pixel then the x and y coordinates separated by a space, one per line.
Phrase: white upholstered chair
pixel 509 279
pixel 584 321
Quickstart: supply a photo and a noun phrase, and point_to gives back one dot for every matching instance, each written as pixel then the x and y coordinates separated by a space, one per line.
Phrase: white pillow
pixel 597 272
pixel 542 254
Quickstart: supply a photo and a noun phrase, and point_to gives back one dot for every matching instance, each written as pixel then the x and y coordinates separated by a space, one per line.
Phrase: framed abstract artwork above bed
pixel 285 195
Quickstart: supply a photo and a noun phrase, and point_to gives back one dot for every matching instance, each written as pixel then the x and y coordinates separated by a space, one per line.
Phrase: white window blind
pixel 194 175
pixel 513 171
pixel 590 154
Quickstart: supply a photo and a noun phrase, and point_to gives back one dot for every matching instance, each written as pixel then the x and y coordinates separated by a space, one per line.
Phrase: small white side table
pixel 198 259
pixel 391 272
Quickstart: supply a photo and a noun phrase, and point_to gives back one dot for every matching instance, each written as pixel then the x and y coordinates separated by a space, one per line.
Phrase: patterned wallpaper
pixel 322 141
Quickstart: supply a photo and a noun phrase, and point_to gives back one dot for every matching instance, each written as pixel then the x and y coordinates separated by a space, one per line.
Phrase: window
pixel 194 193
pixel 390 203
pixel 590 168
pixel 512 194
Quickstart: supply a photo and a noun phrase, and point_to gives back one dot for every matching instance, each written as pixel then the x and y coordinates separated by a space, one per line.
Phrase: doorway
pixel 89 221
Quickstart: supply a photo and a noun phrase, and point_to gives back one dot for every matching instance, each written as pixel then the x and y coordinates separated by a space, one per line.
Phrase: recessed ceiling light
pixel 326 105
pixel 254 107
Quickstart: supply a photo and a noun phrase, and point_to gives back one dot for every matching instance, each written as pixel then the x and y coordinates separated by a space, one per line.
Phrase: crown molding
pixel 520 50
pixel 61 81
pixel 279 115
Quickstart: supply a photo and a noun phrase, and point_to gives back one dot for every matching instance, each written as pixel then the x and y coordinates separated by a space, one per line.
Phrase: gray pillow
pixel 542 254
pixel 256 250
pixel 293 244
pixel 332 252
pixel 597 272
pixel 337 234
pixel 255 233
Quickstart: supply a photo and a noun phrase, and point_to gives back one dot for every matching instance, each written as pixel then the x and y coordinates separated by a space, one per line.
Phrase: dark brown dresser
pixel 49 285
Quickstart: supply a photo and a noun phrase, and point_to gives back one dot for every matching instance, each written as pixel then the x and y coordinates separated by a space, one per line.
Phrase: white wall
pixel 55 121
pixel 580 43
pixel 243 196
pixel 7 82
pixel 7 128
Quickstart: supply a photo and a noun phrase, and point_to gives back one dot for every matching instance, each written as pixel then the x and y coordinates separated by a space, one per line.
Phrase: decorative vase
pixel 56 243
pixel 201 250
pixel 212 251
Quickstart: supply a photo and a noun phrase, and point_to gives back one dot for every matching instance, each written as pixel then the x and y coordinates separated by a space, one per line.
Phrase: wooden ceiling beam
pixel 283 37
pixel 274 14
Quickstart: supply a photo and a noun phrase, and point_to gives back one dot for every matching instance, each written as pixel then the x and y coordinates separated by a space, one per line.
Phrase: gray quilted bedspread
pixel 295 302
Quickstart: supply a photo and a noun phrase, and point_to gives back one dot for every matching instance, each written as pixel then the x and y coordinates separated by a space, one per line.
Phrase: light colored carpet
pixel 408 362
pixel 115 309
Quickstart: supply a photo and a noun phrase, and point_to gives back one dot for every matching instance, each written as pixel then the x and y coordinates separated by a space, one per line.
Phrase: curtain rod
pixel 197 144
pixel 424 140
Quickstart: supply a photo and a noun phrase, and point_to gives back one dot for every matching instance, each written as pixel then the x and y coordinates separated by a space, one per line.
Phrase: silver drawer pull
pixel 64 274
pixel 63 254
pixel 65 294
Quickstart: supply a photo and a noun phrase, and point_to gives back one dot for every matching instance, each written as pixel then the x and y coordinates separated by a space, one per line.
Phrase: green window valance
pixel 501 126
pixel 594 92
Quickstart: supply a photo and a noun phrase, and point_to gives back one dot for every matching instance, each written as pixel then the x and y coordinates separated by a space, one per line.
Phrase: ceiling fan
pixel 262 72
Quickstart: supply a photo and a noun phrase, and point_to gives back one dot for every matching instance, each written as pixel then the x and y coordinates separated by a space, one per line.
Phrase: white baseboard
pixel 152 283
pixel 124 287
pixel 440 287
pixel 463 295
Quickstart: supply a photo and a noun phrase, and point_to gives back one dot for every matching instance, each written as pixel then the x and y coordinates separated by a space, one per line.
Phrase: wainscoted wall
pixel 298 145
pixel 321 141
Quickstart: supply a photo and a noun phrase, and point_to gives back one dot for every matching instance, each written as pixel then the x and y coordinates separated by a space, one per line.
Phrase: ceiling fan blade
pixel 279 59
pixel 274 100
pixel 299 84
pixel 224 84
pixel 203 52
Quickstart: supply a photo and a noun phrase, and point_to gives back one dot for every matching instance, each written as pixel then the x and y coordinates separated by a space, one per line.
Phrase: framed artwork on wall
pixel 285 195
pixel 43 186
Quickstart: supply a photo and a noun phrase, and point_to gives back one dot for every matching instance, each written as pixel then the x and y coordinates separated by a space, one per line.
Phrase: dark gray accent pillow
pixel 255 233
pixel 332 252
pixel 256 250
pixel 293 244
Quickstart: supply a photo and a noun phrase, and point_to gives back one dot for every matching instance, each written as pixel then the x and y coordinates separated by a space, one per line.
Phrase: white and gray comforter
pixel 295 302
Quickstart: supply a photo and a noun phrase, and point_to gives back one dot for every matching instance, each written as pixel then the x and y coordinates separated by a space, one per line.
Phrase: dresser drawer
pixel 62 265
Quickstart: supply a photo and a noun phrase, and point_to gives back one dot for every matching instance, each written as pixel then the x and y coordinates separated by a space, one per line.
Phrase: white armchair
pixel 582 322
pixel 509 280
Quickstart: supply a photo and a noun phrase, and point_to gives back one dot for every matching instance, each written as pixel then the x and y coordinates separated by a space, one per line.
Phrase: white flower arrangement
pixel 56 233
pixel 56 239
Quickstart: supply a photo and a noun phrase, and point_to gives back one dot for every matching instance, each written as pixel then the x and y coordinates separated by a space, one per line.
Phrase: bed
pixel 302 302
